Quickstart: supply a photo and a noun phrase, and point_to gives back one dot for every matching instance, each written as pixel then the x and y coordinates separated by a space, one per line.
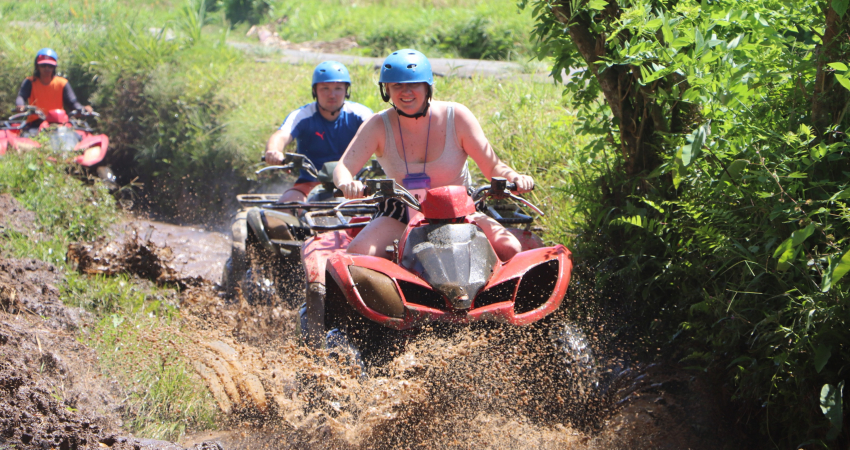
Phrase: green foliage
pixel 475 29
pixel 714 180
pixel 66 209
pixel 160 106
pixel 251 11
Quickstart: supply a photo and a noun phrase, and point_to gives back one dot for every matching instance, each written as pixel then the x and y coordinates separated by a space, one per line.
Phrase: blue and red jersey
pixel 322 140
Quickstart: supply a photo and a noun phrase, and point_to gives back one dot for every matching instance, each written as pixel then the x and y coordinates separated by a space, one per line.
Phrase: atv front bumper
pixel 521 291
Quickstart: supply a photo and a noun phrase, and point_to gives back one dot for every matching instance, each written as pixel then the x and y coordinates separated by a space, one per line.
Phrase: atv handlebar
pixel 83 113
pixel 293 161
pixel 500 189
pixel 377 190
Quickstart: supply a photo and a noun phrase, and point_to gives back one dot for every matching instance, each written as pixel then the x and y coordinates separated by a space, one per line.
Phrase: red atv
pixel 442 270
pixel 67 135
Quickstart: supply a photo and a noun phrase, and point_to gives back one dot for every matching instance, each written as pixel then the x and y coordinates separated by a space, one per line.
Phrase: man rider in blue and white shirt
pixel 321 129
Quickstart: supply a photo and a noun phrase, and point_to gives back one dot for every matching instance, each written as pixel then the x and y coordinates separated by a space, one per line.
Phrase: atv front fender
pixel 94 150
pixel 522 291
pixel 254 218
pixel 237 264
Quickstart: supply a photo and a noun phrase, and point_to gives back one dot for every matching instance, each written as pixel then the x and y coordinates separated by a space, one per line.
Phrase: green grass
pixel 137 337
pixel 66 209
pixel 491 29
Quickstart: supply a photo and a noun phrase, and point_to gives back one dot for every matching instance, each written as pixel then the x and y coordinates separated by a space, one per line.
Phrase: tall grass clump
pixel 160 103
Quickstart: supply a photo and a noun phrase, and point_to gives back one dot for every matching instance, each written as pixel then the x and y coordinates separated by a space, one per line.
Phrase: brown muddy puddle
pixel 196 252
pixel 469 389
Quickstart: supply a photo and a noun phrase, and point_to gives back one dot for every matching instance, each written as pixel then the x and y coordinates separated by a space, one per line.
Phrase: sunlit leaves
pixel 831 398
pixel 789 248
pixel 838 267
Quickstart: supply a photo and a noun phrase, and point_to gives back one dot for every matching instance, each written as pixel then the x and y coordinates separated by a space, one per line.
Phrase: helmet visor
pixel 44 59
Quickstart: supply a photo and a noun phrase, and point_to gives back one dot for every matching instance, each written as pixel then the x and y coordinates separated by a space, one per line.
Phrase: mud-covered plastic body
pixel 267 236
pixel 67 136
pixel 442 270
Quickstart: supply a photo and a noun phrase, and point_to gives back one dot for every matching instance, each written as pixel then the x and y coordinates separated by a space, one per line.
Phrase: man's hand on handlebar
pixel 352 189
pixel 20 108
pixel 274 157
pixel 524 183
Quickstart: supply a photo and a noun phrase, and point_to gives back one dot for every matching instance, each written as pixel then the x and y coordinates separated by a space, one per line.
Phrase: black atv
pixel 265 258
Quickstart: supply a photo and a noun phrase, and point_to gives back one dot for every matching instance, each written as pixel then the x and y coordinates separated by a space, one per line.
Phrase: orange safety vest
pixel 47 96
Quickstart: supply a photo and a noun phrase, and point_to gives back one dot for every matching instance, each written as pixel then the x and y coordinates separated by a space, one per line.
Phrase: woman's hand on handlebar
pixel 352 189
pixel 273 157
pixel 524 183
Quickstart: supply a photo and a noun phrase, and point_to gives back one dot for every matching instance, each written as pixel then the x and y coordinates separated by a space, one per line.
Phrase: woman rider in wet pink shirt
pixel 418 138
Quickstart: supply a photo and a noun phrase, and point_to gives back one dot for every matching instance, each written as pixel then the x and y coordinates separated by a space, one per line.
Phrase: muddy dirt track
pixel 482 388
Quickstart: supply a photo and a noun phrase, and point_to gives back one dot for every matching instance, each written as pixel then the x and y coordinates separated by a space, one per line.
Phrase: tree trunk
pixel 629 104
pixel 829 98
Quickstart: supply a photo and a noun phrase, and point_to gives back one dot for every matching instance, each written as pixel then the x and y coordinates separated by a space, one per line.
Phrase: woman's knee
pixel 375 237
pixel 505 244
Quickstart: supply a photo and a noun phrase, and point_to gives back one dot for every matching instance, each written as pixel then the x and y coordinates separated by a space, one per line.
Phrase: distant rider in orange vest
pixel 45 90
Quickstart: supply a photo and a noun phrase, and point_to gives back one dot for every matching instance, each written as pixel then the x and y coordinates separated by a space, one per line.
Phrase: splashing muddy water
pixel 484 387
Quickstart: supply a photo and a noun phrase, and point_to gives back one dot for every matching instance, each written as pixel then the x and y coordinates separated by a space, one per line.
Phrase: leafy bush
pixel 715 186
pixel 478 38
pixel 251 11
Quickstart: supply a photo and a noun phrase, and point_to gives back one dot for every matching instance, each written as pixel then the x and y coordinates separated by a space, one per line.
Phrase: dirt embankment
pixel 52 392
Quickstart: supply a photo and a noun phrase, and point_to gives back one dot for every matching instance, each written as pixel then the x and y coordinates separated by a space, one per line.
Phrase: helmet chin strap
pixel 414 116
pixel 332 112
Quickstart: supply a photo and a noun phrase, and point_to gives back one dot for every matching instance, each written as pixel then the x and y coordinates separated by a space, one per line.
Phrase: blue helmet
pixel 330 72
pixel 46 54
pixel 405 66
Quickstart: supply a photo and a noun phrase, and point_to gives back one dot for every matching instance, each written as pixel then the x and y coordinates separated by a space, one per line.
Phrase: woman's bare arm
pixel 476 145
pixel 367 142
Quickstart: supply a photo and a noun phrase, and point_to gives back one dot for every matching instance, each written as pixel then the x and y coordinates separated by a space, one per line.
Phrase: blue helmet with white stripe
pixel 46 56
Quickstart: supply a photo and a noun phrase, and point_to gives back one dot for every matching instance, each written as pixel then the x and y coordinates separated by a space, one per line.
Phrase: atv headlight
pixel 378 291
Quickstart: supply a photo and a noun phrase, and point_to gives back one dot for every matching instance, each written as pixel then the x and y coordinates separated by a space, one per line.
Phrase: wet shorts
pixel 394 209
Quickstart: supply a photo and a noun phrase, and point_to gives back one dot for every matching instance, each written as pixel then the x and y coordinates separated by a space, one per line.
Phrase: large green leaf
pixel 787 251
pixel 733 172
pixel 838 267
pixel 840 7
pixel 822 354
pixel 843 81
pixel 830 404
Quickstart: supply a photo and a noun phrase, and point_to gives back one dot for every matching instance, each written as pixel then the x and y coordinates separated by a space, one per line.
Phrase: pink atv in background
pixel 71 137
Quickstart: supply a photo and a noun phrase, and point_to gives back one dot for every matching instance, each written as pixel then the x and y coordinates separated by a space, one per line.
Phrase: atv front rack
pixel 313 218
